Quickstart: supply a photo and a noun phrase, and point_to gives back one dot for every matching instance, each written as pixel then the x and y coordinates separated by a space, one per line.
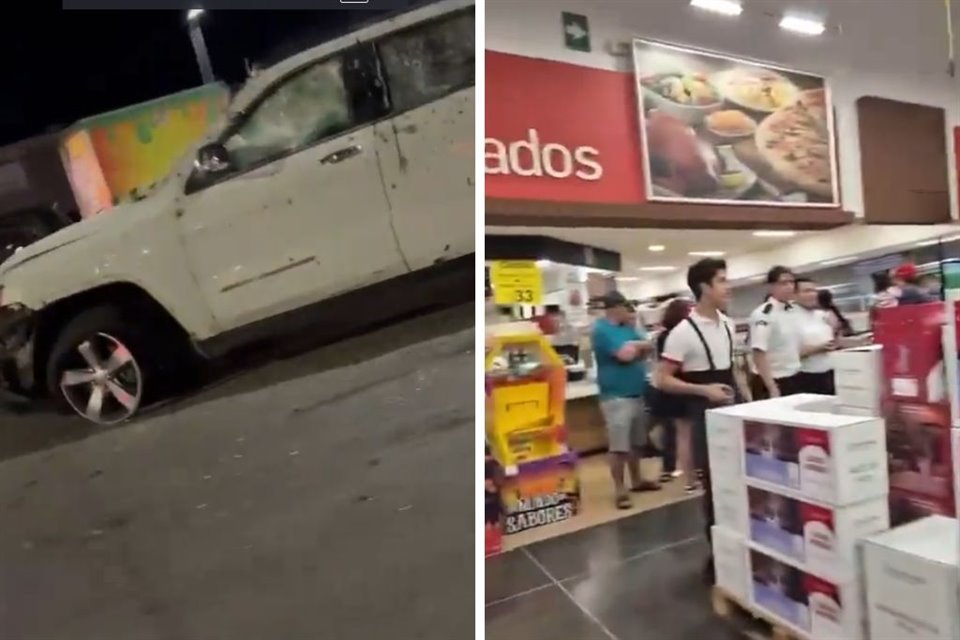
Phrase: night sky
pixel 74 64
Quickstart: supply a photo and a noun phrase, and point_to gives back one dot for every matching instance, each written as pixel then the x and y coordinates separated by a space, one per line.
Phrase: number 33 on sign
pixel 516 282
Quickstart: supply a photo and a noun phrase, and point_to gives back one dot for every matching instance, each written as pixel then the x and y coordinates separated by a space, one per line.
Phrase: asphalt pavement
pixel 319 495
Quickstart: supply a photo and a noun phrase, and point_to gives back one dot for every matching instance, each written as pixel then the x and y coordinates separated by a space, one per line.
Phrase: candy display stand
pixel 525 429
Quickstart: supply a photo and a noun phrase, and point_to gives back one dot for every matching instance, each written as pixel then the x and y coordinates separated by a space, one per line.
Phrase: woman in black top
pixel 667 408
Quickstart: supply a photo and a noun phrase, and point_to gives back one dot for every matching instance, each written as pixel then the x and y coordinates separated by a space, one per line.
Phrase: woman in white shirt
pixel 817 337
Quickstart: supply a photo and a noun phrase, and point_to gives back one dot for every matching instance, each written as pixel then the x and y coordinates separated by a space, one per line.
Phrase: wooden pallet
pixel 755 624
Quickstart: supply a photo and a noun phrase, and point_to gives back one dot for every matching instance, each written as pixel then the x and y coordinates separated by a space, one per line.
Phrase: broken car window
pixel 306 108
pixel 430 61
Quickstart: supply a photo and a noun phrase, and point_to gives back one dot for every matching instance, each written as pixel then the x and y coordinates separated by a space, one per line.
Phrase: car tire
pixel 101 366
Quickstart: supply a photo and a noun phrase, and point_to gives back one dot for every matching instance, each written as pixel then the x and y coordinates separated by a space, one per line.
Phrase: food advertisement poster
pixel 721 130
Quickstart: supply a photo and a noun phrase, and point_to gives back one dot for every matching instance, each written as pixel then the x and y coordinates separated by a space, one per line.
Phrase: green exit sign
pixel 576 32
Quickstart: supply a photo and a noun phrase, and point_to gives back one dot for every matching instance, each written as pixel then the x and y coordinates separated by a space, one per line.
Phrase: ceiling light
pixel 706 254
pixel 725 7
pixel 656 247
pixel 774 234
pixel 804 26
pixel 543 263
pixel 627 278
pixel 650 269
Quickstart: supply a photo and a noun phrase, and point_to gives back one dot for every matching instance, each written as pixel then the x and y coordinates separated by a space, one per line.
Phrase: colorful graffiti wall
pixel 137 146
pixel 85 175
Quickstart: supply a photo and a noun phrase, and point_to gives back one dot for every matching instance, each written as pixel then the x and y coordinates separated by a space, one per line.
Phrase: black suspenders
pixel 706 347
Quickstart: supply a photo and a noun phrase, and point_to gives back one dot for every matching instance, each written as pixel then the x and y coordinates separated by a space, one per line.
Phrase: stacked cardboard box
pixel 794 489
pixel 858 378
pixel 911 581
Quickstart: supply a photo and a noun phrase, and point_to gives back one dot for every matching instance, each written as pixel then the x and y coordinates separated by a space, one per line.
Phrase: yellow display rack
pixel 526 395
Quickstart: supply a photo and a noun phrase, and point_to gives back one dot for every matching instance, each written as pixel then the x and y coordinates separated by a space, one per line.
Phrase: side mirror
pixel 212 159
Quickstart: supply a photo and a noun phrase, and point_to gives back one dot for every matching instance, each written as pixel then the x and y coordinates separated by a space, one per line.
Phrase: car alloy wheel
pixel 103 383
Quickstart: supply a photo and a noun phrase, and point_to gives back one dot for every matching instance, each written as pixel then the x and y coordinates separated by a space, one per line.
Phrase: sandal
pixel 623 502
pixel 646 485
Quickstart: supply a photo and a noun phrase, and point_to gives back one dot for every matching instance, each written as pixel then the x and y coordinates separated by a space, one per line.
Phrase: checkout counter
pixel 586 432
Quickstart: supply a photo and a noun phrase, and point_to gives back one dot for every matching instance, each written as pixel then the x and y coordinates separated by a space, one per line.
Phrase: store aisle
pixel 636 578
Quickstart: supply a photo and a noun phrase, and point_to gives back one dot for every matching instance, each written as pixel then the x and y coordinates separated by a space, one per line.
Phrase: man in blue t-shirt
pixel 619 350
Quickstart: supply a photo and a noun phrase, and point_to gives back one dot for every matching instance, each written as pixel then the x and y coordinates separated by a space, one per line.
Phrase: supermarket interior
pixel 627 141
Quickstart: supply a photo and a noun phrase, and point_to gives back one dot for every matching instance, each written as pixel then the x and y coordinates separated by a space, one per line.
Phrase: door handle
pixel 342 154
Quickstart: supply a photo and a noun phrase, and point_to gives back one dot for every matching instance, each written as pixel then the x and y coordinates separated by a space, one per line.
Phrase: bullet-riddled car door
pixel 300 214
pixel 427 148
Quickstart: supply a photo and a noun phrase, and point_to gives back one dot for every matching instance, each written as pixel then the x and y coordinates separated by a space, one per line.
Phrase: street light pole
pixel 199 45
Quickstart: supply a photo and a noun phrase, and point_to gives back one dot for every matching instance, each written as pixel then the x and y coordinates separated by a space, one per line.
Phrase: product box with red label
pixel 921 465
pixel 725 431
pixel 907 506
pixel 951 355
pixel 858 378
pixel 725 447
pixel 835 459
pixel 813 606
pixel 912 340
pixel 911 581
pixel 820 537
pixel 955 456
pixel 730 506
pixel 730 562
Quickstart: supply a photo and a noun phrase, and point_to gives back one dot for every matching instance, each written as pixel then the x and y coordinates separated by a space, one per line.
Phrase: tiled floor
pixel 637 578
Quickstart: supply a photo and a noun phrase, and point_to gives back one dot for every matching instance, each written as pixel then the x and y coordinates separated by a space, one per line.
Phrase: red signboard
pixel 561 132
pixel 916 411
pixel 956 156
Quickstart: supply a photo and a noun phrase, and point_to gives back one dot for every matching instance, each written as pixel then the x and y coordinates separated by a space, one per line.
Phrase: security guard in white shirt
pixel 817 339
pixel 775 339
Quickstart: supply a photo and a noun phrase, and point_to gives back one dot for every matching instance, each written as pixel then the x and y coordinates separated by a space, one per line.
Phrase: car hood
pixel 113 221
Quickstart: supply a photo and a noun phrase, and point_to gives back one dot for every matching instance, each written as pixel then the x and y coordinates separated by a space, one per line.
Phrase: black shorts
pixel 820 383
pixel 666 405
pixel 788 386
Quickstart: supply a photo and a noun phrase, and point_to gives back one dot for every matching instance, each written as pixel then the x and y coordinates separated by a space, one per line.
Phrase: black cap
pixel 614 299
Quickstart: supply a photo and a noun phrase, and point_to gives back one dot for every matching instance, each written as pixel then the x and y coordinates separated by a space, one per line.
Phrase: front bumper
pixel 17 325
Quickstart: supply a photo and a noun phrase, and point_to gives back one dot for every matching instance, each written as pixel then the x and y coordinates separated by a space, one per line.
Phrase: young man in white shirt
pixel 817 340
pixel 698 363
pixel 775 339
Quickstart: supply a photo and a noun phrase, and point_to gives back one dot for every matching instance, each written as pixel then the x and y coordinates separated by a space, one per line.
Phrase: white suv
pixel 348 165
